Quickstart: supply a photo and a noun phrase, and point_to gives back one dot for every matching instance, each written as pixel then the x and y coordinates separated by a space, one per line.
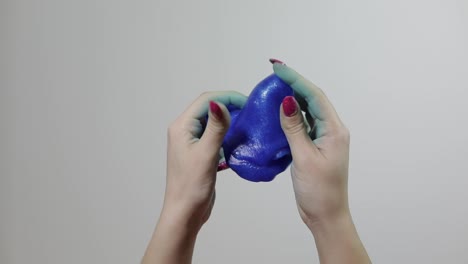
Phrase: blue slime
pixel 255 146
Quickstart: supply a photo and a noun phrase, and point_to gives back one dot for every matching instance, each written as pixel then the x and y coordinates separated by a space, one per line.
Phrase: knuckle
pixel 205 95
pixel 294 127
pixel 320 90
pixel 232 92
pixel 216 127
pixel 172 129
pixel 343 134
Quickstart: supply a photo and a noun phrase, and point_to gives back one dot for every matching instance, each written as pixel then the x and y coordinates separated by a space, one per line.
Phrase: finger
pixel 316 101
pixel 295 128
pixel 199 108
pixel 312 128
pixel 216 128
pixel 223 166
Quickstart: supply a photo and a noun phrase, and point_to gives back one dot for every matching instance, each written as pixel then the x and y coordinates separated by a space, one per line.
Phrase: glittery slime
pixel 255 146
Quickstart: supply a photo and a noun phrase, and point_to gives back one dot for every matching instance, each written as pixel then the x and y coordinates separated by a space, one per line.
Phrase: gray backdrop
pixel 88 89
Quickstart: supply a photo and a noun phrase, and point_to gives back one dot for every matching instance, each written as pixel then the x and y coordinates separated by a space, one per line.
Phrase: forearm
pixel 338 242
pixel 173 241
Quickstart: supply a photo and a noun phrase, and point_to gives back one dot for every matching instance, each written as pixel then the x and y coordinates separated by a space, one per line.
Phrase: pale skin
pixel 319 173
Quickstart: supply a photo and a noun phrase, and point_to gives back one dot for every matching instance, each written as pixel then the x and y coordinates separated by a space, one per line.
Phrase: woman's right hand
pixel 320 156
pixel 320 168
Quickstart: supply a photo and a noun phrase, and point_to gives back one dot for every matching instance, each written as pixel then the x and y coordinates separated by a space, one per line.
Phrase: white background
pixel 88 89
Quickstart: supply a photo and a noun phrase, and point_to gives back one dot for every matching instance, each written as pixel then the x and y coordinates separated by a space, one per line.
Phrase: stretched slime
pixel 255 146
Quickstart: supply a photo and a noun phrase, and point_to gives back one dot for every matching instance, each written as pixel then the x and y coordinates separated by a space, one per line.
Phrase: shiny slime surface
pixel 255 146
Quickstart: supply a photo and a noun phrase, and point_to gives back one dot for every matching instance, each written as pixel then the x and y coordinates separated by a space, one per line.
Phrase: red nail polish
pixel 216 110
pixel 273 61
pixel 289 106
pixel 223 166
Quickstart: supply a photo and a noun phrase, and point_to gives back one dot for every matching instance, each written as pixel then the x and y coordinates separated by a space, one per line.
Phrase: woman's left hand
pixel 193 155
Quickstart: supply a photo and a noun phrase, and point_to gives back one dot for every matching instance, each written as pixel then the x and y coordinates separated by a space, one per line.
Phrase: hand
pixel 320 169
pixel 192 158
pixel 193 154
pixel 320 156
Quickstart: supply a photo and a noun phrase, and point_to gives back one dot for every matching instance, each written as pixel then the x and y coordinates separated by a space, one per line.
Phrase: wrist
pixel 325 223
pixel 338 234
pixel 173 240
pixel 179 219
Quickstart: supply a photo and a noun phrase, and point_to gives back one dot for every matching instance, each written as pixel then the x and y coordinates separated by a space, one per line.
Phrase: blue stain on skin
pixel 255 146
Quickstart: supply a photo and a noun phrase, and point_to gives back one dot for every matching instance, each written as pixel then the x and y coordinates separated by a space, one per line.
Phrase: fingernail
pixel 223 166
pixel 273 61
pixel 216 110
pixel 289 106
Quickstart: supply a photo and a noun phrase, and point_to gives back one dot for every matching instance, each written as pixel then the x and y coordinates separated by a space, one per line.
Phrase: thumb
pixel 217 126
pixel 292 123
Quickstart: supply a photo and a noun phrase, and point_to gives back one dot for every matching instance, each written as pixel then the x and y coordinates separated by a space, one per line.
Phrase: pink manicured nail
pixel 223 166
pixel 273 61
pixel 289 106
pixel 216 110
